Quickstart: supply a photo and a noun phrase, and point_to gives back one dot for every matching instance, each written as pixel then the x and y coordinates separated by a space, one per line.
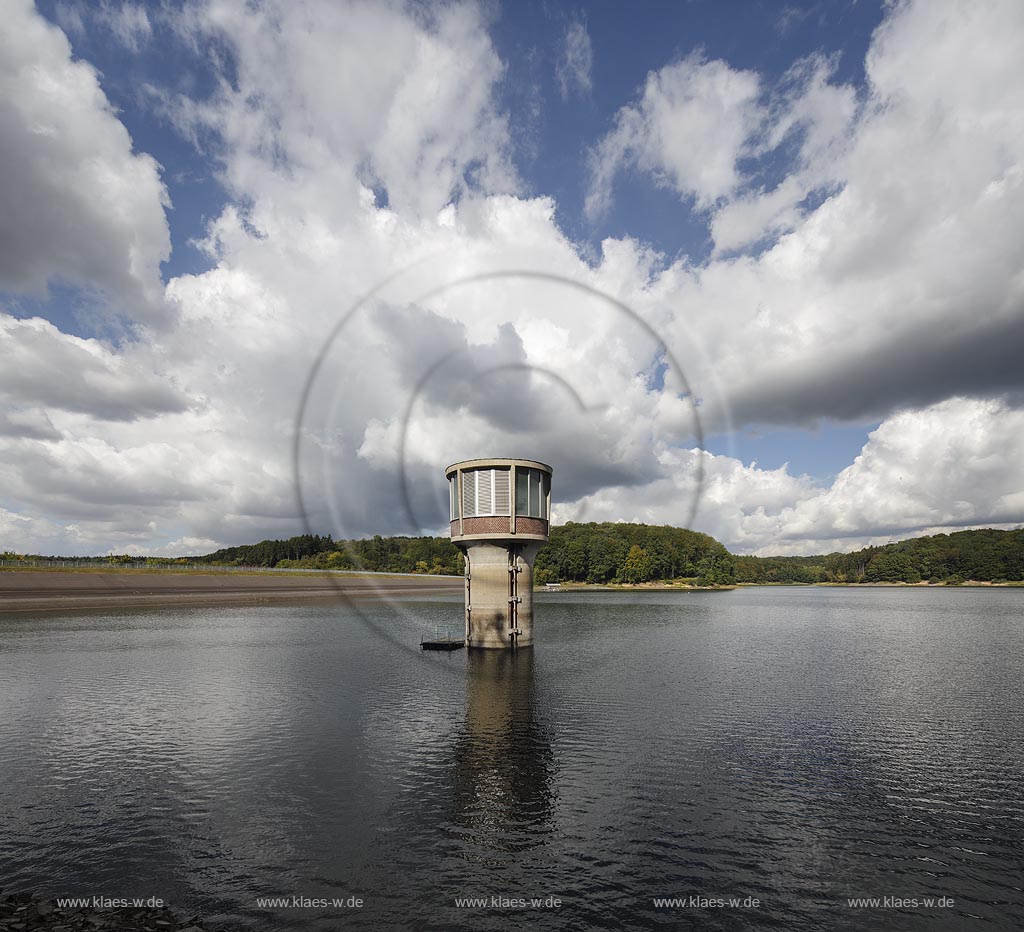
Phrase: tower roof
pixel 490 463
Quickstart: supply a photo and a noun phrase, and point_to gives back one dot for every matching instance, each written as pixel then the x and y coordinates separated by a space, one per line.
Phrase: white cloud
pixel 181 547
pixel 823 114
pixel 128 22
pixel 360 92
pixel 956 463
pixel 697 120
pixel 952 465
pixel 574 67
pixel 28 534
pixel 76 203
pixel 688 130
pixel 904 285
pixel 59 372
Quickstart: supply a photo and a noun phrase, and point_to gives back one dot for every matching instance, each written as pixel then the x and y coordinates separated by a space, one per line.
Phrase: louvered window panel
pixel 501 491
pixel 484 492
pixel 468 494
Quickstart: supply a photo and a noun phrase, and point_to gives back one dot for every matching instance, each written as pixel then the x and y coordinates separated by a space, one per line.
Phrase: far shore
pixel 924 584
pixel 630 587
pixel 681 587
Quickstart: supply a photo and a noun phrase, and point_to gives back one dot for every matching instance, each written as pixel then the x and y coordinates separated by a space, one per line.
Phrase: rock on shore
pixel 22 912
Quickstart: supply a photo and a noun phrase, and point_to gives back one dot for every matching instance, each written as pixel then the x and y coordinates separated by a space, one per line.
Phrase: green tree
pixel 637 566
pixel 601 563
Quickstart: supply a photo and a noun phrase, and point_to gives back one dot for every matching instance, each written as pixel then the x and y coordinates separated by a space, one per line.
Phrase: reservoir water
pixel 797 747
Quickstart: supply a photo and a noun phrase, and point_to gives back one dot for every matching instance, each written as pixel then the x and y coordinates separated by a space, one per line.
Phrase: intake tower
pixel 500 511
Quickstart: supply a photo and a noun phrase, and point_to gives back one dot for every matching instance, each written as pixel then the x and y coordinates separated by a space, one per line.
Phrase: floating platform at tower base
pixel 444 644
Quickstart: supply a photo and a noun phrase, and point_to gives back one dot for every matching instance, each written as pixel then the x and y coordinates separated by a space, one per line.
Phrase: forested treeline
pixel 595 553
pixel 637 553
pixel 270 552
pixel 436 555
pixel 632 553
pixel 986 556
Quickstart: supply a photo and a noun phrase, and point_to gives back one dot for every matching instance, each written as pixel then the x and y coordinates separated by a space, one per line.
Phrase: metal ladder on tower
pixel 513 599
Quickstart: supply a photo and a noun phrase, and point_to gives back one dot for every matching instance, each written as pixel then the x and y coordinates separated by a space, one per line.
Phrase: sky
pixel 269 267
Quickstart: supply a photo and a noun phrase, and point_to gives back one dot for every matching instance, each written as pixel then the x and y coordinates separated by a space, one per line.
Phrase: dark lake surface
pixel 800 746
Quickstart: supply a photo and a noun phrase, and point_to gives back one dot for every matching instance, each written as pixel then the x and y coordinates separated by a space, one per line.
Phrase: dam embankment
pixel 50 590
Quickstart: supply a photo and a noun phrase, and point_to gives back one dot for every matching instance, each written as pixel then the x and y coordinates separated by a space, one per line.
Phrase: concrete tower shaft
pixel 500 513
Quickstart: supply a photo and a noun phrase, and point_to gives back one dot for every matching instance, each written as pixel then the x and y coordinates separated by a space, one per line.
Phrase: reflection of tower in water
pixel 503 758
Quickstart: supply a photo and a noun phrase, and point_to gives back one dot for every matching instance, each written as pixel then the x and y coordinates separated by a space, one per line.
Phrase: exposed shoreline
pixel 655 587
pixel 629 587
pixel 29 591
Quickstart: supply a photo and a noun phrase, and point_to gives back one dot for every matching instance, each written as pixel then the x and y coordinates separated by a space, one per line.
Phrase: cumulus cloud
pixel 358 93
pixel 77 204
pixel 808 105
pixel 952 465
pixel 903 286
pixel 688 130
pixel 59 372
pixel 28 534
pixel 577 60
pixel 697 120
pixel 180 547
pixel 21 420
